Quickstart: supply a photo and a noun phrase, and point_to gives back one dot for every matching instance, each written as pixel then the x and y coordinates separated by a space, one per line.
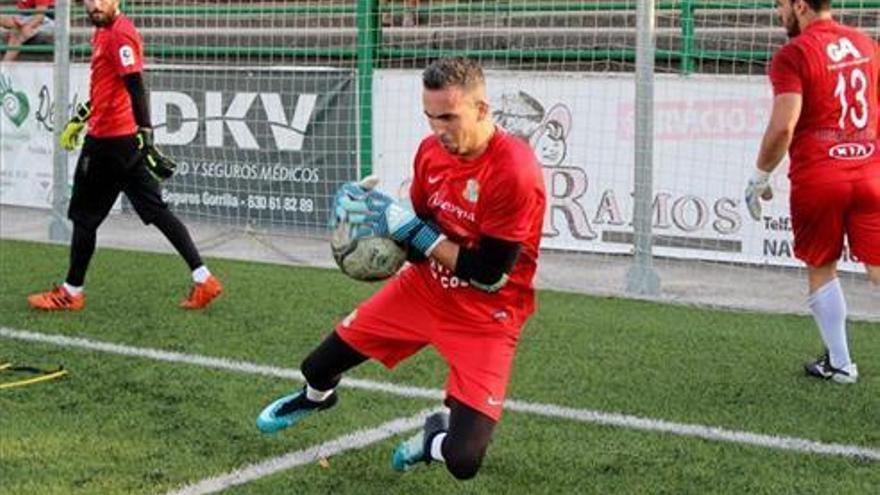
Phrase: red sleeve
pixel 416 191
pixel 509 200
pixel 45 3
pixel 127 52
pixel 784 72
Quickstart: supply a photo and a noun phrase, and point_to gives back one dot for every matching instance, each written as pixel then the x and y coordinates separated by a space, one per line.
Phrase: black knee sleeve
pixel 324 366
pixel 462 465
pixel 470 432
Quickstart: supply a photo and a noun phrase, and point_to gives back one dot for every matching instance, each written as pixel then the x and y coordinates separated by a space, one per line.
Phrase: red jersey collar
pixel 819 23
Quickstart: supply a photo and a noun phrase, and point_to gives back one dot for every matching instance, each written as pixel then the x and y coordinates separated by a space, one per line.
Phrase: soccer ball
pixel 369 258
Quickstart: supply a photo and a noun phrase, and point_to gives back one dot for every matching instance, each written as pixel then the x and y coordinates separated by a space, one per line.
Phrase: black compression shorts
pixel 105 168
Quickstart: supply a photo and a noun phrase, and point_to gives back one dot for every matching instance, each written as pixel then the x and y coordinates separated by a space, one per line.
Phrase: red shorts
pixel 822 214
pixel 402 318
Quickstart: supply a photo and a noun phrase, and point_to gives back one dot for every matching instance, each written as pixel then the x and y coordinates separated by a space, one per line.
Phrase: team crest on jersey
pixel 471 190
pixel 126 56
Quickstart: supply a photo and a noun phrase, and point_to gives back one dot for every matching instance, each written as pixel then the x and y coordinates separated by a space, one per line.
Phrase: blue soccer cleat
pixel 417 448
pixel 289 410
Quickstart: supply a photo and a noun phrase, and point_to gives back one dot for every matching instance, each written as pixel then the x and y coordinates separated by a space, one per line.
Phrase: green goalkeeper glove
pixel 71 136
pixel 158 164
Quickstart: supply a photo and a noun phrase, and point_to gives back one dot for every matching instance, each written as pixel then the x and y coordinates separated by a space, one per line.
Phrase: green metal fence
pixel 371 52
pixel 370 29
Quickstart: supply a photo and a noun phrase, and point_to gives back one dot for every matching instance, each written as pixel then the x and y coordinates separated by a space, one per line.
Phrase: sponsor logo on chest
pixel 448 199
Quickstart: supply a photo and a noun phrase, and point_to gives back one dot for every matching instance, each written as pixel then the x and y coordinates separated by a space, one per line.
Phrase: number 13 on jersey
pixel 852 86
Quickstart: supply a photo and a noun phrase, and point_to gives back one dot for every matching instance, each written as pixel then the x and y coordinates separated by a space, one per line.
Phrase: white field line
pixel 356 440
pixel 546 410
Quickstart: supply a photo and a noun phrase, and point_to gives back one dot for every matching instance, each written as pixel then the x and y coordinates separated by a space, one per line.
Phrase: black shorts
pixel 106 167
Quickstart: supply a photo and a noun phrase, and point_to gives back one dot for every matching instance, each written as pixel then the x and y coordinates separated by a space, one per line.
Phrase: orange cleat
pixel 57 299
pixel 202 294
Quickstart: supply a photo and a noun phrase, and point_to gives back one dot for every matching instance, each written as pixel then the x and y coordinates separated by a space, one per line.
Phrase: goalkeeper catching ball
pixel 473 233
pixel 118 155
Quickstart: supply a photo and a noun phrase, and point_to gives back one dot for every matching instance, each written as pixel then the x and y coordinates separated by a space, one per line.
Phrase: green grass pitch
pixel 131 425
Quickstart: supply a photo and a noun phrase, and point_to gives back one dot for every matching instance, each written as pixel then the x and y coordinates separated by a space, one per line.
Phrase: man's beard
pixel 793 29
pixel 99 20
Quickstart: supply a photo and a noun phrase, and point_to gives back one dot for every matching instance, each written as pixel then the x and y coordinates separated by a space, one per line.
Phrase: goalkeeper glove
pixel 386 217
pixel 71 138
pixel 349 202
pixel 757 189
pixel 158 164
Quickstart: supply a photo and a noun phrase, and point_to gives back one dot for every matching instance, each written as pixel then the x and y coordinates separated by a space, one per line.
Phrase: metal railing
pixel 370 44
pixel 370 51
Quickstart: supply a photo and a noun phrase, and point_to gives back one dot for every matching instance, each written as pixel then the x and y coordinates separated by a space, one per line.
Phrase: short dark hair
pixel 818 5
pixel 453 71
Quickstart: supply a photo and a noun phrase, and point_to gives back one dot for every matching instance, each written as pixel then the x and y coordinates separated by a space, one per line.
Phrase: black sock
pixel 82 247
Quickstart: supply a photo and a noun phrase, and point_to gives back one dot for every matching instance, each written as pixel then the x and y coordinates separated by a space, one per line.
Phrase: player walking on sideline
pixel 825 113
pixel 118 155
pixel 478 198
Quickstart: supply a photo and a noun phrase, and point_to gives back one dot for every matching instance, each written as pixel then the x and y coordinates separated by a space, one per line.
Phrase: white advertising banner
pixel 707 133
pixel 26 123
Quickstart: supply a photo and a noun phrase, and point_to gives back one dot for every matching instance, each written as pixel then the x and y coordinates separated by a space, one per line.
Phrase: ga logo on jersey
pixel 837 51
pixel 471 190
pixel 126 56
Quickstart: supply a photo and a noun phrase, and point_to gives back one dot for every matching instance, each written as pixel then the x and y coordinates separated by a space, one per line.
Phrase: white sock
pixel 829 311
pixel 201 274
pixel 437 447
pixel 72 290
pixel 316 395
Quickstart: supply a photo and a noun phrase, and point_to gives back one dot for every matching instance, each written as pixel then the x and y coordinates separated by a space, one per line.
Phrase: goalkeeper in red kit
pixel 478 204
pixel 826 115
pixel 118 155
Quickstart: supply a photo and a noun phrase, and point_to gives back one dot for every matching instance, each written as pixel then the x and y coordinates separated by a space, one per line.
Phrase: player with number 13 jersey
pixel 835 69
pixel 825 114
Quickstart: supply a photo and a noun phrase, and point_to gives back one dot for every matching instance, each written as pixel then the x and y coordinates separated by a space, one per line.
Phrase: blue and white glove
pixel 349 203
pixel 757 189
pixel 386 217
